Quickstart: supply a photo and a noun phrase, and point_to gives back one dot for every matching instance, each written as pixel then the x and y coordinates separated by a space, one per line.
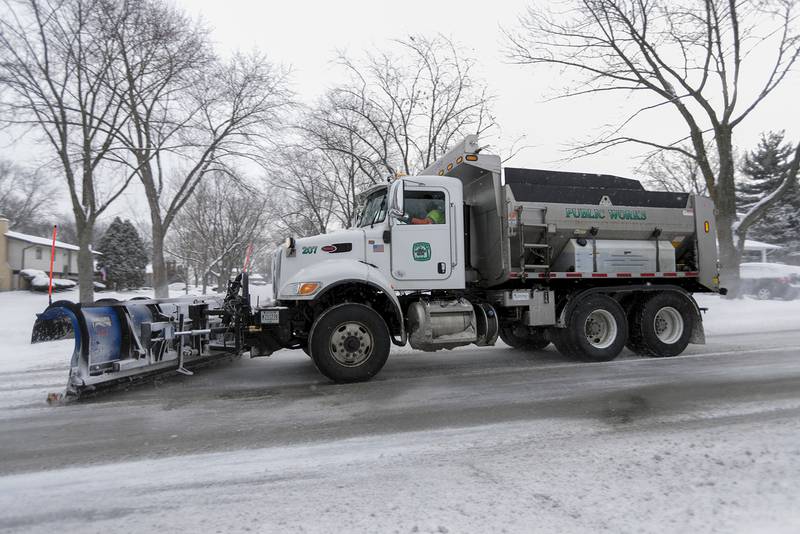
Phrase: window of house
pixel 38 253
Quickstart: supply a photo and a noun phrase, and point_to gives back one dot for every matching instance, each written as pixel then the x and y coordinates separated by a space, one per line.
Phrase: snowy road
pixel 473 440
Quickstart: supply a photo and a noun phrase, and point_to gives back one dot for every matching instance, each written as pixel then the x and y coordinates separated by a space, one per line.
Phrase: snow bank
pixel 742 316
pixel 30 274
pixel 41 283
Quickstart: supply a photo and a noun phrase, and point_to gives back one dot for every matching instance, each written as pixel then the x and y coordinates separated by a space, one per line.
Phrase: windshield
pixel 374 210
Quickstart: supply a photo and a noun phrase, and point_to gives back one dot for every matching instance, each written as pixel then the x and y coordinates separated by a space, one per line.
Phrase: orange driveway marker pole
pixel 52 259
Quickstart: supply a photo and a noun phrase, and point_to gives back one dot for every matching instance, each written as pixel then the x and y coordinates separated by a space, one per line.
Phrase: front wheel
pixel 349 343
pixel 662 325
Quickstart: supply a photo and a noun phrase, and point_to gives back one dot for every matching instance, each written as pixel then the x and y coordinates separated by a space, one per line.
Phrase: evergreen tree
pixel 123 255
pixel 764 169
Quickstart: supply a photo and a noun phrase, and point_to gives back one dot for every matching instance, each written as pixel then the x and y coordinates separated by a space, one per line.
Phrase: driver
pixel 435 214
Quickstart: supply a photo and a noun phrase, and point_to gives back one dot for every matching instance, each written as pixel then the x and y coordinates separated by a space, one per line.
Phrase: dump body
pixel 523 228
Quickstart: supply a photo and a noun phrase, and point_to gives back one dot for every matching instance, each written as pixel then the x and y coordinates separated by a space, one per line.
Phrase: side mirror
pixel 396 197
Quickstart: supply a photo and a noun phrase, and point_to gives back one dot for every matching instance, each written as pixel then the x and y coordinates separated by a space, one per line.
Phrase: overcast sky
pixel 305 35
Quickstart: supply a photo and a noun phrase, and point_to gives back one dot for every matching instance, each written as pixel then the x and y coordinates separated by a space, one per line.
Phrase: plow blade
pixel 124 341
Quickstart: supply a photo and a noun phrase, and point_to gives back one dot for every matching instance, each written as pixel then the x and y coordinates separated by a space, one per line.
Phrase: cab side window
pixel 425 207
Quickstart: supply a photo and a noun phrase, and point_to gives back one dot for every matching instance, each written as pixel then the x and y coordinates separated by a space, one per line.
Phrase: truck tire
pixel 596 330
pixel 661 326
pixel 529 339
pixel 349 343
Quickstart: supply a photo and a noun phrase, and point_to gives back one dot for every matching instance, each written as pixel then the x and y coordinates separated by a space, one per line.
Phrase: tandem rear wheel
pixel 661 325
pixel 657 324
pixel 596 330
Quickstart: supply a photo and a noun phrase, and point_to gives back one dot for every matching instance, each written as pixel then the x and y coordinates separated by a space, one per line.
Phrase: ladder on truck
pixel 539 254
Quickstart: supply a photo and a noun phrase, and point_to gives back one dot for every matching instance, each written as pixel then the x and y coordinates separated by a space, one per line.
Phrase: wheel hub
pixel 600 329
pixel 351 344
pixel 668 325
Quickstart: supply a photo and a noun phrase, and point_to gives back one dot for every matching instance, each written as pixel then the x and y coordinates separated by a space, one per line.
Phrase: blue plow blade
pixel 123 341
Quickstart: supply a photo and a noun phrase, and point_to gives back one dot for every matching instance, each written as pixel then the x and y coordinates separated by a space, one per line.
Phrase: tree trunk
pixel 160 281
pixel 729 255
pixel 725 203
pixel 85 262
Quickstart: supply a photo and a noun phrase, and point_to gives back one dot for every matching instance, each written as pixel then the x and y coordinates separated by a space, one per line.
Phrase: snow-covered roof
pixel 752 244
pixel 46 241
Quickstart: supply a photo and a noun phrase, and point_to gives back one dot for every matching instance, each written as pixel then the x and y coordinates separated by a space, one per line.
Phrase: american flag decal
pixel 376 247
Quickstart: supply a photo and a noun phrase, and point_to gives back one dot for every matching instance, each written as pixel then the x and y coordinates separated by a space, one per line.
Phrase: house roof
pixel 752 244
pixel 45 241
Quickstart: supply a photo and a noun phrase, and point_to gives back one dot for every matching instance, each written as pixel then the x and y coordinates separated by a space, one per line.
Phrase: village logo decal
pixel 421 251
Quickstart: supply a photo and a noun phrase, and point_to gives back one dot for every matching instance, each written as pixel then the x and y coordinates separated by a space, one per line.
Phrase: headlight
pixel 301 289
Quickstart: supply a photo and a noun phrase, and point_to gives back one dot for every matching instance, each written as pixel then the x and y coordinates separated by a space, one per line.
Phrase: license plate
pixel 270 317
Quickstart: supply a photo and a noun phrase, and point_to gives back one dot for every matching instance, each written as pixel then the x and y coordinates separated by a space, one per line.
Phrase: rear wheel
pixel 349 343
pixel 596 330
pixel 523 337
pixel 660 326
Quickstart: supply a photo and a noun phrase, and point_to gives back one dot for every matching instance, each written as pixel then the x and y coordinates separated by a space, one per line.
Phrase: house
pixel 22 251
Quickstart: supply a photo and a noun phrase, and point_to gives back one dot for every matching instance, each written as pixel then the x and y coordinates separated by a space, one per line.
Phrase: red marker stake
pixel 52 259
pixel 247 257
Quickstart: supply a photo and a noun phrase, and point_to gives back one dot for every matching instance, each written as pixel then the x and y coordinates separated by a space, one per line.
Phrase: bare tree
pixel 56 64
pixel 221 219
pixel 675 171
pixel 304 204
pixel 687 56
pixel 403 108
pixel 25 197
pixel 190 112
pixel 400 110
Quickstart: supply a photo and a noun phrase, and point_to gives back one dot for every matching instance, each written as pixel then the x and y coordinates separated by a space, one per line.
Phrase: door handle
pixel 441 267
pixel 453 236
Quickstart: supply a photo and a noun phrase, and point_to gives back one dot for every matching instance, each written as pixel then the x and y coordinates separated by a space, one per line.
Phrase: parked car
pixel 770 280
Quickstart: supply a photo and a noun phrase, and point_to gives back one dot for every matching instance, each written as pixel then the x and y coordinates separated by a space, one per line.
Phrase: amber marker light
pixel 307 288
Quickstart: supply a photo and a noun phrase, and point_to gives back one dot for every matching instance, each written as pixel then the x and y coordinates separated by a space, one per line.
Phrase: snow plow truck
pixel 461 254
